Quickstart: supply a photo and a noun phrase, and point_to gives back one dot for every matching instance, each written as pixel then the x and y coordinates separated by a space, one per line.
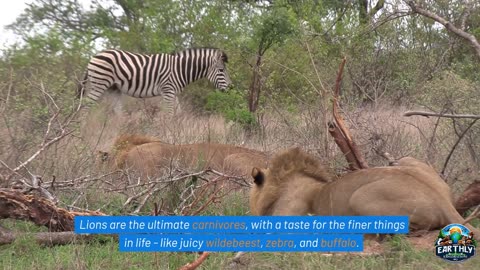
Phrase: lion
pixel 121 146
pixel 469 198
pixel 296 183
pixel 149 156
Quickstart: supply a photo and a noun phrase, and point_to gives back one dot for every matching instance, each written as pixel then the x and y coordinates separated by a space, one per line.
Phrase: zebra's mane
pixel 224 55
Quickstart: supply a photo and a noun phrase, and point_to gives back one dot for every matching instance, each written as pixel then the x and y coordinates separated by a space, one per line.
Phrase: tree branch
pixel 446 115
pixel 473 215
pixel 359 160
pixel 456 144
pixel 450 27
pixel 52 126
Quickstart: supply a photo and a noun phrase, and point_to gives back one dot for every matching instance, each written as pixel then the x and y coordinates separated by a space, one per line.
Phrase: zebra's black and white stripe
pixel 143 76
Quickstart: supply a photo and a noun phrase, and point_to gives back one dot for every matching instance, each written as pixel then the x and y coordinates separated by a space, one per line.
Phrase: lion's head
pixel 285 177
pixel 121 147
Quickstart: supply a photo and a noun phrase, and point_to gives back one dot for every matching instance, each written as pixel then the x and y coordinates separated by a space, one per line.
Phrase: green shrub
pixel 232 105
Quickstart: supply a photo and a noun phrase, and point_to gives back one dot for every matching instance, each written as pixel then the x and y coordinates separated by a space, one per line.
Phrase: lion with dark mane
pixel 148 156
pixel 296 183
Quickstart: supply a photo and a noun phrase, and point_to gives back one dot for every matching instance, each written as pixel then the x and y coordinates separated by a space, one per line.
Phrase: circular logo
pixel 455 243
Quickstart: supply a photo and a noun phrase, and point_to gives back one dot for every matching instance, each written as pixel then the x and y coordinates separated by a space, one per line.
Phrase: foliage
pixel 393 58
pixel 231 105
pixel 302 41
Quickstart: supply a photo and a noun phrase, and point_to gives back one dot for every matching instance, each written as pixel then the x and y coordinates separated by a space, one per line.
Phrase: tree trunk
pixel 255 86
pixel 38 210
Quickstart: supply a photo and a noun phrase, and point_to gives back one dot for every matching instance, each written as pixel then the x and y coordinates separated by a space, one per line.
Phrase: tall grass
pixel 374 127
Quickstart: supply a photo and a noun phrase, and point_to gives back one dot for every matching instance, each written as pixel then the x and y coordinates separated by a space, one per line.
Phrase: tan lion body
pixel 149 157
pixel 297 184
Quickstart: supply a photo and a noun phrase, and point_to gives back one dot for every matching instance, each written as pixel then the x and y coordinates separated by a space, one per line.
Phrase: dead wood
pixel 39 210
pixel 343 145
pixel 342 135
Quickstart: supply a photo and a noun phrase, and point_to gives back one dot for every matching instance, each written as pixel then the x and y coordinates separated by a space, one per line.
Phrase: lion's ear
pixel 258 176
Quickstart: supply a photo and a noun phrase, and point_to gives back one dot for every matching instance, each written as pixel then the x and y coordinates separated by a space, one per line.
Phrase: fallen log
pixel 39 210
pixel 47 238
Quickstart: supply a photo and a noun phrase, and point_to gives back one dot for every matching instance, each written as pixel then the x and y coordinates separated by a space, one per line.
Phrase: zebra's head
pixel 217 73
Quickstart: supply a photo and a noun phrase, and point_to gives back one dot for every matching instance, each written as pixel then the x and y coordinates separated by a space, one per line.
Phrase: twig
pixel 9 91
pixel 455 145
pixel 151 187
pixel 46 141
pixel 473 215
pixel 130 199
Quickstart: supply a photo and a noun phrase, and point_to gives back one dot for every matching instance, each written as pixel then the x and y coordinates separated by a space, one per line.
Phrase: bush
pixel 232 105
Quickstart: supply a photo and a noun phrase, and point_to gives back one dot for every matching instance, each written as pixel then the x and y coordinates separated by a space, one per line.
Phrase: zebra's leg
pixel 171 102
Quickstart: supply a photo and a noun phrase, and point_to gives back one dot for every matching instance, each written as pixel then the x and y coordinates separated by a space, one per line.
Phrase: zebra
pixel 144 76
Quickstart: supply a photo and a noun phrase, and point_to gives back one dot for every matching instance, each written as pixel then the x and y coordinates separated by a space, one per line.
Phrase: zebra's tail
pixel 81 86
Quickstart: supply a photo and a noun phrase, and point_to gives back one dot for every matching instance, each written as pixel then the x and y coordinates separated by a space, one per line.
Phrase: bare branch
pixel 456 144
pixel 446 115
pixel 343 145
pixel 473 215
pixel 358 159
pixel 47 141
pixel 36 184
pixel 452 28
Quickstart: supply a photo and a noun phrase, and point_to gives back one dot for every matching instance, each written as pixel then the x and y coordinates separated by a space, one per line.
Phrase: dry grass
pixel 374 127
pixel 381 127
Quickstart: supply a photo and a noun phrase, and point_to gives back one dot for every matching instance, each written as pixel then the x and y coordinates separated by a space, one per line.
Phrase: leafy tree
pixel 273 29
